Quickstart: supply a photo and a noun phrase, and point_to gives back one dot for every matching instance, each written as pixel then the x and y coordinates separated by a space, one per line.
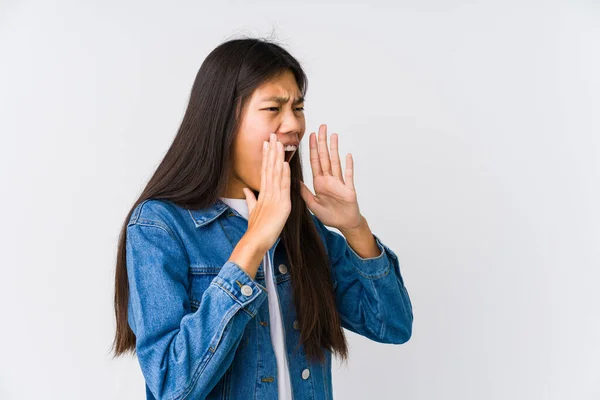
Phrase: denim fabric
pixel 201 322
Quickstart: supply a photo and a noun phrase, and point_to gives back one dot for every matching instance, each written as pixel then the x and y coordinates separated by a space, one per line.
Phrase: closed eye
pixel 277 108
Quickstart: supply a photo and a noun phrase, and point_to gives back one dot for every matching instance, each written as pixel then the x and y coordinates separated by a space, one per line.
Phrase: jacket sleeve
pixel 370 293
pixel 183 354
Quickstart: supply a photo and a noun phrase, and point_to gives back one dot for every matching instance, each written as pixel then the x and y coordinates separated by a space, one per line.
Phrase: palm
pixel 335 203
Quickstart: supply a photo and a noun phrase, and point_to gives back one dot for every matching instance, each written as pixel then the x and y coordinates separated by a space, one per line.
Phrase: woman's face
pixel 274 107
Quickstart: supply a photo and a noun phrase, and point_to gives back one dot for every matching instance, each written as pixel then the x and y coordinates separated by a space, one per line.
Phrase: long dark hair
pixel 194 172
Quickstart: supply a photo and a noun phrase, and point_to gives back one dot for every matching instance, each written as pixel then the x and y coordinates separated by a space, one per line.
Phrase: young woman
pixel 228 283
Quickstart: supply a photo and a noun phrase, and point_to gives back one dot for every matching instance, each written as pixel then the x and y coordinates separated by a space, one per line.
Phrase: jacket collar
pixel 206 215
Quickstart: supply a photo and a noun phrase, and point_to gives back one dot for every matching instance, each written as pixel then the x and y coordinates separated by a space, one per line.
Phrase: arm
pixel 182 354
pixel 370 293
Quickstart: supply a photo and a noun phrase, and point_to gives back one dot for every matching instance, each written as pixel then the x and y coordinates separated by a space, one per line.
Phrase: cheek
pixel 248 164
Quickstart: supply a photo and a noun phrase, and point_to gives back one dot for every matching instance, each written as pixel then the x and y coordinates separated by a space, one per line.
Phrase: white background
pixel 475 131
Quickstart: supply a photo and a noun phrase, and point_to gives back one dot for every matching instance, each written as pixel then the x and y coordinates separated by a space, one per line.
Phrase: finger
pixel 349 170
pixel 336 165
pixel 315 164
pixel 279 158
pixel 286 180
pixel 271 162
pixel 323 151
pixel 263 171
pixel 250 199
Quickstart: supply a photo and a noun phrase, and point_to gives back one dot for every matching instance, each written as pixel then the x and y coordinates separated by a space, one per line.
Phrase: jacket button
pixel 305 374
pixel 246 290
pixel 296 325
pixel 282 268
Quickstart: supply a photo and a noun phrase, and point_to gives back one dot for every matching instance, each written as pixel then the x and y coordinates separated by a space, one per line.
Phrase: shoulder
pixel 333 240
pixel 322 229
pixel 152 210
pixel 318 224
pixel 328 237
pixel 155 212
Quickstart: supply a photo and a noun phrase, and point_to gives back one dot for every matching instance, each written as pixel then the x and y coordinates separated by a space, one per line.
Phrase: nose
pixel 291 124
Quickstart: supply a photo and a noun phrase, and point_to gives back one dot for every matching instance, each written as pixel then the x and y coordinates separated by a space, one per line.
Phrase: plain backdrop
pixel 475 131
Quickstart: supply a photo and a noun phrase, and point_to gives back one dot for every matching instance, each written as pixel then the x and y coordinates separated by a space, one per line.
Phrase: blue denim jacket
pixel 201 322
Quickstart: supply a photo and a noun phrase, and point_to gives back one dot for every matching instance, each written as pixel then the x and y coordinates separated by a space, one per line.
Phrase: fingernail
pixel 265 145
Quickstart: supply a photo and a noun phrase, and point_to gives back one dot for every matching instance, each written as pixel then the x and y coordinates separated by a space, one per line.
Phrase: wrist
pixel 248 254
pixel 357 231
pixel 362 241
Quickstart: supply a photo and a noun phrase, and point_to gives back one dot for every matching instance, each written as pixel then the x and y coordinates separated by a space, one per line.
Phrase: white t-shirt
pixel 283 375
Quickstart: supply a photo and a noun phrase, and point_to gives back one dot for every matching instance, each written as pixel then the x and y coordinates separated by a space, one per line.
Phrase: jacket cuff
pixel 373 267
pixel 240 286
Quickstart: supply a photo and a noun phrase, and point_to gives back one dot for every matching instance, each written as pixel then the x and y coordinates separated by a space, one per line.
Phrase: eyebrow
pixel 280 99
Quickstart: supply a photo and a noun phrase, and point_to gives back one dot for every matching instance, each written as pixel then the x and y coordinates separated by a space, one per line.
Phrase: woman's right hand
pixel 268 214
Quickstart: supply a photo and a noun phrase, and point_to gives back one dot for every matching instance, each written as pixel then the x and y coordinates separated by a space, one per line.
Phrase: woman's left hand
pixel 335 203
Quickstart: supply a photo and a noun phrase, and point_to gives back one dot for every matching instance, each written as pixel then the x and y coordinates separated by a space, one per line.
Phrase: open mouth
pixel 289 152
pixel 289 155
